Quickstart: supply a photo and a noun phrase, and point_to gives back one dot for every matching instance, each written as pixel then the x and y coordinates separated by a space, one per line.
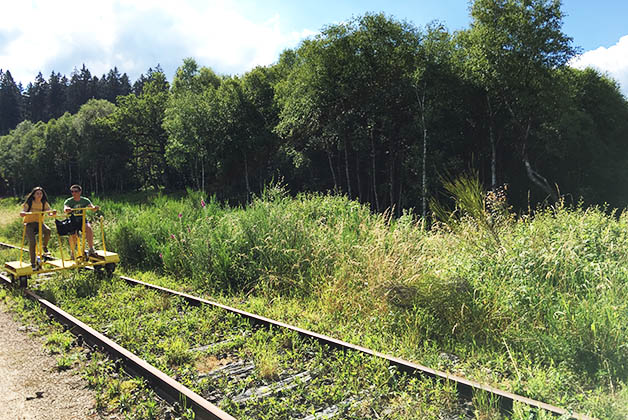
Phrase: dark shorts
pixel 77 221
pixel 71 225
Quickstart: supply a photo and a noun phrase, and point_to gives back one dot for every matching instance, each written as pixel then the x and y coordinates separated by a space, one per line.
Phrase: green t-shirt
pixel 73 204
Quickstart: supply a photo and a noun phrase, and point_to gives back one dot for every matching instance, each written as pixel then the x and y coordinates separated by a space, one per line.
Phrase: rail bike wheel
pixel 13 279
pixel 109 269
pixel 99 271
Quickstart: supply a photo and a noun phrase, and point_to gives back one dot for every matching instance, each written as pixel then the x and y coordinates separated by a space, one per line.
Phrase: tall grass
pixel 555 288
pixel 276 244
pixel 540 298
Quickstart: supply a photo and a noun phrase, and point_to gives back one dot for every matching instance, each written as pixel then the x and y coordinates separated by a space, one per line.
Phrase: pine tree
pixel 37 107
pixel 57 95
pixel 151 75
pixel 10 103
pixel 115 85
pixel 81 89
pixel 125 85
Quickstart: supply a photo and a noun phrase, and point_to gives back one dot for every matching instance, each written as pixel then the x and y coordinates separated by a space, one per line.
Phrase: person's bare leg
pixel 72 239
pixel 89 233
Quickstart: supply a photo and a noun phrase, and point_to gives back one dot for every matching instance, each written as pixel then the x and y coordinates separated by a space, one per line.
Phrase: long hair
pixel 31 196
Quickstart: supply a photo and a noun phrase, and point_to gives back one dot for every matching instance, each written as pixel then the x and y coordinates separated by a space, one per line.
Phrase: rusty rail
pixel 466 388
pixel 166 387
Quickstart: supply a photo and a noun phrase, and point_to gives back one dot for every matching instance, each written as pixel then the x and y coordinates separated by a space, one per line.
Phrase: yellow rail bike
pixel 21 270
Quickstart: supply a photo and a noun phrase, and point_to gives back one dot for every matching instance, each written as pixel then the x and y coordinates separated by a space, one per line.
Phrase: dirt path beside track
pixel 30 386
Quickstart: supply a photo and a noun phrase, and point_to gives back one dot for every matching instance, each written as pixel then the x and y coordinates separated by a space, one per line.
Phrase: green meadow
pixel 533 303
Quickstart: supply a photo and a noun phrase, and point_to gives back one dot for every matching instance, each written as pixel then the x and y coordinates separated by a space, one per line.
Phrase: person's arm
pixel 50 213
pixel 66 208
pixel 92 206
pixel 23 212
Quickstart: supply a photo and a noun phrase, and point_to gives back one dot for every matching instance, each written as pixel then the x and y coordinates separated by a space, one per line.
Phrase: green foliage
pixel 276 238
pixel 59 342
pixel 64 362
pixel 373 107
pixel 176 351
pixel 10 101
pixel 163 336
pixel 488 211
pixel 549 286
pixel 137 127
pixel 221 128
pixel 326 112
pixel 541 312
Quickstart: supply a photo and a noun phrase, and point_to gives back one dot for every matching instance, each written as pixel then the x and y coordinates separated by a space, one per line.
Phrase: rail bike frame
pixel 21 270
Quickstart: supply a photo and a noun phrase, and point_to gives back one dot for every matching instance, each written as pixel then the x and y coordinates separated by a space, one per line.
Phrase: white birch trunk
pixel 246 177
pixel 347 170
pixel 331 168
pixel 374 177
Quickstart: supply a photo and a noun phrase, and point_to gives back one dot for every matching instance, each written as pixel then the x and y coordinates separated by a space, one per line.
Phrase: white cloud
pixel 38 32
pixel 41 35
pixel 612 60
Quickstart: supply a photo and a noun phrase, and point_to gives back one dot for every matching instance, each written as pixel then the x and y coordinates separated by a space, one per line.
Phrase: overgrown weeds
pixel 536 303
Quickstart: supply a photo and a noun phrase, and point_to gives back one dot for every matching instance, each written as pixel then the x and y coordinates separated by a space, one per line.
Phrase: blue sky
pixel 233 36
pixel 590 23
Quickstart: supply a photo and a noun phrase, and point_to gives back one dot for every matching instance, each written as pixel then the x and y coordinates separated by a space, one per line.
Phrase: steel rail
pixel 166 387
pixel 12 246
pixel 466 388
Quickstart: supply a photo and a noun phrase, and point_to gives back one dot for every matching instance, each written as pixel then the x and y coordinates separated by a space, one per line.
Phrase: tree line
pixel 43 99
pixel 374 108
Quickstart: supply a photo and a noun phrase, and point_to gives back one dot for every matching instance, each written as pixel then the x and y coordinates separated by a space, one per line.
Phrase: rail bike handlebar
pixel 69 210
pixel 50 213
pixel 55 214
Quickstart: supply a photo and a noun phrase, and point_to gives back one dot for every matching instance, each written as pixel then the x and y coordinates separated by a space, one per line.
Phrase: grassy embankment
pixel 534 304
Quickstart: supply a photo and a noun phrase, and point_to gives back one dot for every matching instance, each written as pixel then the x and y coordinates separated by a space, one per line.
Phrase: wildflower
pixel 180 215
pixel 161 256
pixel 203 203
pixel 172 236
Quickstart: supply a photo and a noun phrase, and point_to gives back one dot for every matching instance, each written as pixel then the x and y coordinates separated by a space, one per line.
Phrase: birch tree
pixel 432 89
pixel 514 48
pixel 191 123
pixel 351 94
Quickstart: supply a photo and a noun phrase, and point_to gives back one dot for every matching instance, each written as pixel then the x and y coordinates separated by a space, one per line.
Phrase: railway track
pixel 239 370
pixel 166 387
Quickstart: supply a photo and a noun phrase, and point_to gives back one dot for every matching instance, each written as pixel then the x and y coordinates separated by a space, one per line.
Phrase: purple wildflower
pixel 172 236
pixel 180 215
pixel 202 203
